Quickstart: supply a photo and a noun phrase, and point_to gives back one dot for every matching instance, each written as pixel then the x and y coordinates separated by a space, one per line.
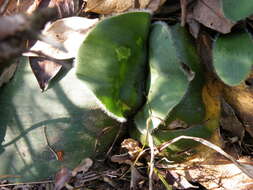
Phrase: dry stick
pixel 4 6
pixel 27 183
pixel 41 54
pixel 183 11
pixel 243 168
pixel 50 148
pixel 115 139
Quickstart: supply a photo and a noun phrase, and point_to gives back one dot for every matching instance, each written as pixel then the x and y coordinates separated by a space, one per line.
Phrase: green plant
pixel 177 97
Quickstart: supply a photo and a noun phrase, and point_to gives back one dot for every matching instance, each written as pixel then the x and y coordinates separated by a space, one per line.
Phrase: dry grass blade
pixel 183 11
pixel 4 6
pixel 28 183
pixel 246 169
pixel 163 180
pixel 152 157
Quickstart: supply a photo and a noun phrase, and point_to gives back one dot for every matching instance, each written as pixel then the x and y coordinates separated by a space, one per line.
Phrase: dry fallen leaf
pixel 61 178
pixel 216 173
pixel 240 99
pixel 133 151
pixel 132 146
pixel 117 6
pixel 84 166
pixel 15 7
pixel 69 31
pixel 178 181
pixel 230 122
pixel 44 70
pixel 245 168
pixel 209 13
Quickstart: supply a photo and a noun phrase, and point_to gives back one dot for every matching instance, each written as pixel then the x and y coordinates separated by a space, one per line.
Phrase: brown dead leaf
pixel 241 100
pixel 132 146
pixel 178 181
pixel 216 173
pixel 15 7
pixel 194 27
pixel 209 13
pixel 117 6
pixel 108 6
pixel 230 122
pixel 44 70
pixel 84 166
pixel 122 158
pixel 61 178
pixel 154 5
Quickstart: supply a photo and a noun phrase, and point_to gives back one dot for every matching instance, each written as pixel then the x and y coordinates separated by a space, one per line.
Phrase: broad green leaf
pixel 75 126
pixel 196 115
pixel 237 10
pixel 199 114
pixel 170 52
pixel 191 109
pixel 112 62
pixel 161 135
pixel 232 57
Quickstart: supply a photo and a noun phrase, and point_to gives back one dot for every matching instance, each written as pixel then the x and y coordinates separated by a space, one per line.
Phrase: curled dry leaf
pixel 122 158
pixel 132 146
pixel 62 177
pixel 7 73
pixel 116 6
pixel 84 166
pixel 68 31
pixel 44 70
pixel 209 13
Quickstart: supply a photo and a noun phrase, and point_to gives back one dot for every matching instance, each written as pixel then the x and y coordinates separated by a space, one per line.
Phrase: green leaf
pixel 232 57
pixel 191 109
pixel 74 125
pixel 162 135
pixel 237 10
pixel 112 62
pixel 171 52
